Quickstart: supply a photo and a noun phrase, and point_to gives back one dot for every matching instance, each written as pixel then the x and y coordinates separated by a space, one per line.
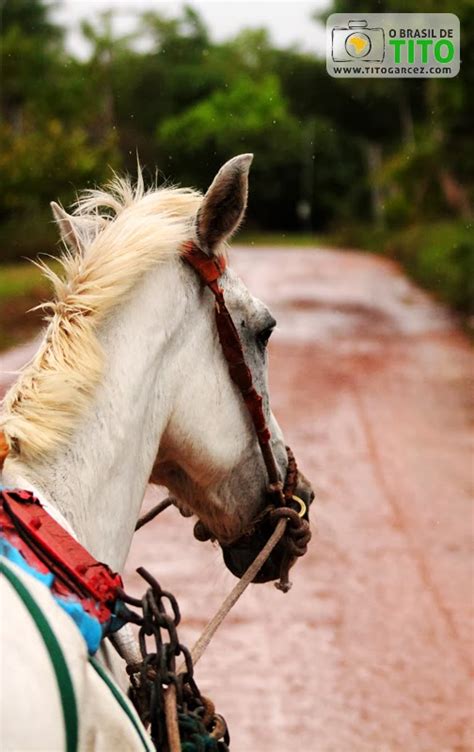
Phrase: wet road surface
pixel 371 651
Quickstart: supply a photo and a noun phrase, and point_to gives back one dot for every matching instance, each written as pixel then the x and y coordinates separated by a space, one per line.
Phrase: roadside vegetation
pixel 385 165
pixel 439 256
pixel 22 287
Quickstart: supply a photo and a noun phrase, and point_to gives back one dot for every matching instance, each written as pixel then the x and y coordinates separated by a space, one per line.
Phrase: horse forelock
pixel 124 230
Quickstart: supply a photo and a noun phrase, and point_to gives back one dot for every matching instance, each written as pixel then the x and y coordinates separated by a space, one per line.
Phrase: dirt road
pixel 371 651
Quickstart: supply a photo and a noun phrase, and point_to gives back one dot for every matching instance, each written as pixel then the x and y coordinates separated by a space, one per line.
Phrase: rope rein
pixel 170 705
pixel 238 589
pixel 211 628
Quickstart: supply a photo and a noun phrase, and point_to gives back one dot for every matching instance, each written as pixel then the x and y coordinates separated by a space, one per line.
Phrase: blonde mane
pixel 123 231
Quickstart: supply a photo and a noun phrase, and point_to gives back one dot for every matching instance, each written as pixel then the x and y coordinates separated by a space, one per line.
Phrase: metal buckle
pixel 303 507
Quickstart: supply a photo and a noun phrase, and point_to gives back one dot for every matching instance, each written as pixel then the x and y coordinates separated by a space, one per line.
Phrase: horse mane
pixel 124 230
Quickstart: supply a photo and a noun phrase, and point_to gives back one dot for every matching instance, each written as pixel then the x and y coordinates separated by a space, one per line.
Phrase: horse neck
pixel 99 479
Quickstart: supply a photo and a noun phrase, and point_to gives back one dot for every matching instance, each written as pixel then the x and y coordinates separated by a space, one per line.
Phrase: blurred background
pixel 384 165
pixel 359 237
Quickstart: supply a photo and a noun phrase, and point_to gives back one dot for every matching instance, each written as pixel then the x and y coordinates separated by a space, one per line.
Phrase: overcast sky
pixel 289 22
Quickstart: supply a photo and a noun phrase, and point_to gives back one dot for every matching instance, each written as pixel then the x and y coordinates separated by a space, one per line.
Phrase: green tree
pixel 246 115
pixel 417 130
pixel 47 148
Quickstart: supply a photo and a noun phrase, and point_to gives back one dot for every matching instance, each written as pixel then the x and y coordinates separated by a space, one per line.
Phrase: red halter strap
pixel 209 270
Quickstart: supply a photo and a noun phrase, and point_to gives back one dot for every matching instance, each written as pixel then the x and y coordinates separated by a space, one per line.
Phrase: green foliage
pixel 408 177
pixel 440 256
pixel 30 47
pixel 33 163
pixel 22 287
pixel 23 279
pixel 224 124
pixel 225 120
pixel 33 166
pixel 329 154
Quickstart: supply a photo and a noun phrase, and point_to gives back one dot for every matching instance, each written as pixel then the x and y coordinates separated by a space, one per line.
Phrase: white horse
pixel 129 378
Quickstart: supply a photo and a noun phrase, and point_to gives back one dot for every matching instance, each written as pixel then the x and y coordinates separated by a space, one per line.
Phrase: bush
pixel 440 257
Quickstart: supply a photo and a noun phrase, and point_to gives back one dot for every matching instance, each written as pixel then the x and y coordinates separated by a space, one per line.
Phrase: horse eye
pixel 264 336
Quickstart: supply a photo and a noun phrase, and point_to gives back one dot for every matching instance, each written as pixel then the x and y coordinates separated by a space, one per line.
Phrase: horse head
pixel 209 456
pixel 131 379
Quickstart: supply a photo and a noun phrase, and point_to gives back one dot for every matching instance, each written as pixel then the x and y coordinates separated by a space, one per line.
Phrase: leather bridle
pixel 281 497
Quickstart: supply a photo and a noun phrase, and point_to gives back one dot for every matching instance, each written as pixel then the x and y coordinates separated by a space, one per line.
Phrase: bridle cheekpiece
pixel 281 497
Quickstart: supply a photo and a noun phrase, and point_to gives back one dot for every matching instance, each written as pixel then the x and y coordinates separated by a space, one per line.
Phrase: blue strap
pixel 89 627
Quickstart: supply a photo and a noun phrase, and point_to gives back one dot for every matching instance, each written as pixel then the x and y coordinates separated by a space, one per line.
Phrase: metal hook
pixel 302 510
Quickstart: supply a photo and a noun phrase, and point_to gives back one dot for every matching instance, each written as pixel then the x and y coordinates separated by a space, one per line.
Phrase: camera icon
pixel 357 41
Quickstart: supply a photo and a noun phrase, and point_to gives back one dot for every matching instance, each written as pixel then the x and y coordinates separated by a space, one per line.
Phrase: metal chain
pixel 200 728
pixel 167 697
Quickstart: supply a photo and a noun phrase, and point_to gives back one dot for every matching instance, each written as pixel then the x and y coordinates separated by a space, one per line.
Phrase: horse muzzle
pixel 239 554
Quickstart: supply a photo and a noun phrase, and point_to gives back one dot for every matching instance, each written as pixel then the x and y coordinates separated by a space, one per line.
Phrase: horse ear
pixel 224 204
pixel 66 228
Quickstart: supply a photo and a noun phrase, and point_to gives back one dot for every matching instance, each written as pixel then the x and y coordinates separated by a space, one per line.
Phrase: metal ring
pixel 299 501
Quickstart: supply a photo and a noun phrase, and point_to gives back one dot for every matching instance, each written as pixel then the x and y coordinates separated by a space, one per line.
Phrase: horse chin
pixel 240 553
pixel 240 550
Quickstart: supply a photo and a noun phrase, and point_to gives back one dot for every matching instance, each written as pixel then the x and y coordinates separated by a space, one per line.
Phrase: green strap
pixel 63 678
pixel 120 699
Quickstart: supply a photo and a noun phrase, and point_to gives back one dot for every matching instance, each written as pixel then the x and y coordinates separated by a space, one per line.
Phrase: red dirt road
pixel 371 651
